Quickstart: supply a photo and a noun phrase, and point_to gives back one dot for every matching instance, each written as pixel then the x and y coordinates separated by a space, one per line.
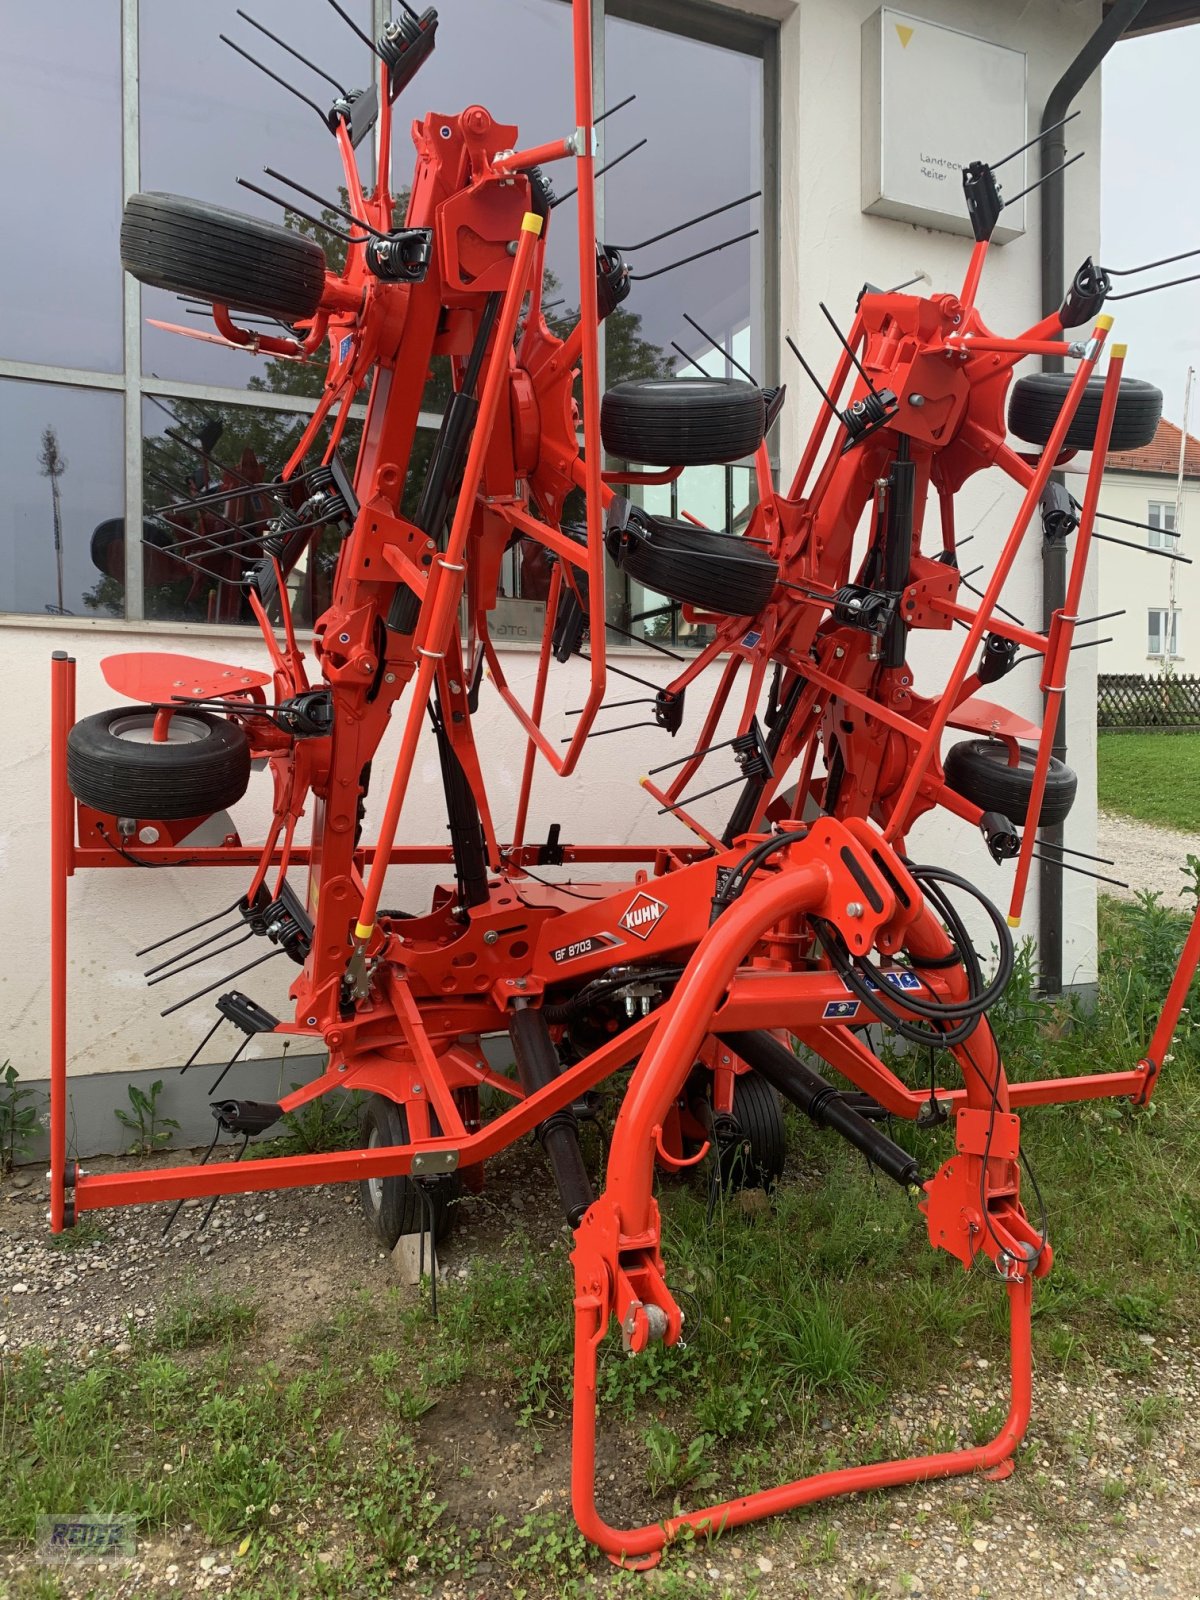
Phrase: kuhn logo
pixel 642 916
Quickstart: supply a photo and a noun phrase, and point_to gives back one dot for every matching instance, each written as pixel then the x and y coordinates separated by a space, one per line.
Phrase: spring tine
pixel 284 45
pixel 692 222
pixel 282 82
pixel 637 639
pixel 175 1209
pixel 598 733
pixel 191 950
pixel 715 249
pixel 191 1060
pixel 213 1202
pixel 1053 128
pixel 200 959
pixel 696 755
pixel 230 1063
pixel 228 978
pixel 690 799
pixel 1083 872
pixel 183 932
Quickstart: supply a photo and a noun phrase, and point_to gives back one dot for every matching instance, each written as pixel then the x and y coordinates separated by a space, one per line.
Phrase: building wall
pixel 1132 581
pixel 828 249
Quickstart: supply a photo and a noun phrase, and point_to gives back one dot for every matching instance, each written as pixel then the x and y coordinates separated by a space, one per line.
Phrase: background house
pixel 1160 599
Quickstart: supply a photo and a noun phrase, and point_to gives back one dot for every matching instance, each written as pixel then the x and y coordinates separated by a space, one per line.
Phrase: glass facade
pixel 109 420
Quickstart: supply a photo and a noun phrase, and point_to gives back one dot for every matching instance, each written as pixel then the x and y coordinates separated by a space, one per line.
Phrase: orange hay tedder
pixel 710 957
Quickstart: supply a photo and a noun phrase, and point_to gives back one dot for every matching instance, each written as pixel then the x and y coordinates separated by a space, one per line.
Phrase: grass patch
pixel 1152 776
pixel 353 1464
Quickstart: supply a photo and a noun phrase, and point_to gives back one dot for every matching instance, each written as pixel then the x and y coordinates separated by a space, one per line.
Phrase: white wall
pixel 828 249
pixel 1136 582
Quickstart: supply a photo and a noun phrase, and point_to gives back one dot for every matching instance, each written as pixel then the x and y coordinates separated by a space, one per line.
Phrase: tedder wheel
pixel 754 1159
pixel 192 247
pixel 978 769
pixel 1034 403
pixel 116 766
pixel 715 571
pixel 683 422
pixel 393 1205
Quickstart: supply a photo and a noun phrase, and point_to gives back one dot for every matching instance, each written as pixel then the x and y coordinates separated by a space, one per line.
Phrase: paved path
pixel 1146 856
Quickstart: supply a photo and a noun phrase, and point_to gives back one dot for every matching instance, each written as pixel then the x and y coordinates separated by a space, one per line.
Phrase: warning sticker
pixel 840 1010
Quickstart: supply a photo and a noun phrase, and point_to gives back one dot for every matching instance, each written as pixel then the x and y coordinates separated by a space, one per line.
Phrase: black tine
pixel 650 643
pixel 175 1209
pixel 284 45
pixel 696 755
pixel 1167 555
pixel 183 932
pixel 207 955
pixel 817 384
pixel 728 355
pixel 233 1058
pixel 290 87
pixel 1029 188
pixel 229 976
pixel 713 250
pixel 351 24
pixel 287 205
pixel 690 799
pixel 191 1060
pixel 692 222
pixel 213 1202
pixel 600 171
pixel 191 950
pixel 612 110
pixel 599 733
pixel 1153 288
pixel 1132 272
pixel 321 201
pixel 841 338
pixel 1053 128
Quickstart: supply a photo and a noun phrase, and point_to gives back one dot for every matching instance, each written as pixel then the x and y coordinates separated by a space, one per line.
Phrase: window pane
pixel 208 116
pixel 62 465
pixel 1154 634
pixel 706 148
pixel 60 122
pixel 195 558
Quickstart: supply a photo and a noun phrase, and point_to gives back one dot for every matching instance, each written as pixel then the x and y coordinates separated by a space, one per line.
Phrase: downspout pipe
pixel 1053 147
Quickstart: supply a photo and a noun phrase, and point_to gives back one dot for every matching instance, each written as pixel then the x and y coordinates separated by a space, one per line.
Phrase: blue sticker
pixel 751 640
pixel 901 979
pixel 344 346
pixel 840 1008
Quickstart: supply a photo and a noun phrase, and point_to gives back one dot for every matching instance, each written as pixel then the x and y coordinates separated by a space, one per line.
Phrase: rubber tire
pixel 396 1208
pixel 149 781
pixel 192 247
pixel 1034 403
pixel 683 422
pixel 978 770
pixel 714 571
pixel 758 1111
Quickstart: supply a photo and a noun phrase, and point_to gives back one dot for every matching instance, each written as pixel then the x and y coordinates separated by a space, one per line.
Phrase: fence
pixel 1165 701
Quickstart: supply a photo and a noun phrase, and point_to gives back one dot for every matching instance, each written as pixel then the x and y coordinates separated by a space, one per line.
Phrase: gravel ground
pixel 1147 857
pixel 1090 1510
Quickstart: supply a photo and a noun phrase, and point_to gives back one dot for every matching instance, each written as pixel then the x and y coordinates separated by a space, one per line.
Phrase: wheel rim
pixel 138 728
pixel 374 1185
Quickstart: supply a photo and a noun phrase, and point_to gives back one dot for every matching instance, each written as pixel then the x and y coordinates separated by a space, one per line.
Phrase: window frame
pixel 1167 626
pixel 1159 535
pixel 757 36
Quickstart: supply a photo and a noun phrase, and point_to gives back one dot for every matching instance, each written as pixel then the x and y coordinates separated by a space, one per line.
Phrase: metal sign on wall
pixel 934 99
